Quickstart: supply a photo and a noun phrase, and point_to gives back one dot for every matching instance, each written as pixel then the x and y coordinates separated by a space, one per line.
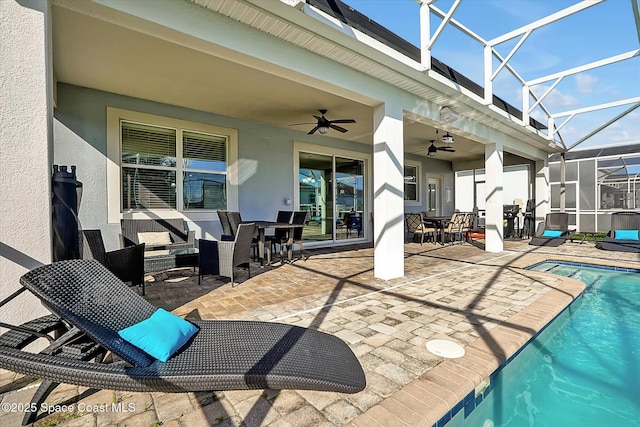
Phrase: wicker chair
pixel 181 237
pixel 227 232
pixel 626 220
pixel 555 221
pixel 236 253
pixel 126 263
pixel 223 355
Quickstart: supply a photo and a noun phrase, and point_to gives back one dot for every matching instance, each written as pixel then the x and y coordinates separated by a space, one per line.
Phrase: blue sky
pixel 596 33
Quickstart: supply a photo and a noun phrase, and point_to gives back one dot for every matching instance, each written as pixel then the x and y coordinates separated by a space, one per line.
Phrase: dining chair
pixel 237 253
pixel 416 226
pixel 227 232
pixel 270 240
pixel 354 223
pixel 453 229
pixel 299 218
pixel 287 239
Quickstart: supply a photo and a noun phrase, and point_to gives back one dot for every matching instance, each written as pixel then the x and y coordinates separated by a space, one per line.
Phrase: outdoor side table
pixel 166 259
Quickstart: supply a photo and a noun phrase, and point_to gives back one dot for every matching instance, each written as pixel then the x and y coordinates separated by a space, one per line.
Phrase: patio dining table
pixel 439 223
pixel 263 225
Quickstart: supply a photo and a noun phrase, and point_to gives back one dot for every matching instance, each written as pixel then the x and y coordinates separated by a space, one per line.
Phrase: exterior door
pixel 433 196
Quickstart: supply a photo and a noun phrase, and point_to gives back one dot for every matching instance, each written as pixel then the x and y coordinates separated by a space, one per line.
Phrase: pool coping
pixel 457 384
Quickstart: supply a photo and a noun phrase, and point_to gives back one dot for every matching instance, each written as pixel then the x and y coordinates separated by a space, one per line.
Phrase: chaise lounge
pixel 222 355
pixel 554 231
pixel 623 234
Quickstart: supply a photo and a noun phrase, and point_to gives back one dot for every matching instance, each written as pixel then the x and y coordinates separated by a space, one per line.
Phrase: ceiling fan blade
pixel 304 123
pixel 312 130
pixel 338 128
pixel 450 150
pixel 342 121
pixel 317 117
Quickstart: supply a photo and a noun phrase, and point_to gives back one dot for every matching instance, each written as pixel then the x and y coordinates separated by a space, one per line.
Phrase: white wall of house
pixel 263 151
pixel 25 141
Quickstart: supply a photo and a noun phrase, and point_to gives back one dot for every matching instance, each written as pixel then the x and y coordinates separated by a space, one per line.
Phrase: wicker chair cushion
pixel 155 238
pixel 161 335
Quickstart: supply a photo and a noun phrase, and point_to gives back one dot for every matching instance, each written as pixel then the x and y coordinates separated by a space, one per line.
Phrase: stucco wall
pixel 80 139
pixel 25 139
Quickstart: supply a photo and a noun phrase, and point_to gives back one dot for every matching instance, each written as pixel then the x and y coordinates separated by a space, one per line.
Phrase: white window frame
pixel 114 161
pixel 419 186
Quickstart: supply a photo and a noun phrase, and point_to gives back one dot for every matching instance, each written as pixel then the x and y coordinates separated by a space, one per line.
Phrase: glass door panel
pixel 433 189
pixel 316 195
pixel 349 198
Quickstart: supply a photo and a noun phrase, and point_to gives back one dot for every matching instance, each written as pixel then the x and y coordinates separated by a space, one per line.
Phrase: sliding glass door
pixel 332 191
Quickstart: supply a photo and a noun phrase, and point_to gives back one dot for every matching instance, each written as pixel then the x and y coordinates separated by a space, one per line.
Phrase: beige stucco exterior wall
pixel 25 147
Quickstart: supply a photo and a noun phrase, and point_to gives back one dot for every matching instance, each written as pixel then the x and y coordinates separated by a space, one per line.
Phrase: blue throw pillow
pixel 160 335
pixel 626 235
pixel 552 233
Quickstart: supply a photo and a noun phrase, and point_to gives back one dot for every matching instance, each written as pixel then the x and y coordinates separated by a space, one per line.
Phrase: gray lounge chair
pixel 555 221
pixel 223 355
pixel 622 221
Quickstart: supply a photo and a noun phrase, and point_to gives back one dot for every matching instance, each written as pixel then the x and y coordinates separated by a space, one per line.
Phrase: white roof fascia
pixel 358 35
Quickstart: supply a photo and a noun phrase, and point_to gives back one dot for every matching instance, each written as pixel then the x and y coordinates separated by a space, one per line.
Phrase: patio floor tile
pixel 483 301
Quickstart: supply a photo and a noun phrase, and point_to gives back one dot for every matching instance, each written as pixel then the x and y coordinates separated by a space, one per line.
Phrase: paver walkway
pixel 483 301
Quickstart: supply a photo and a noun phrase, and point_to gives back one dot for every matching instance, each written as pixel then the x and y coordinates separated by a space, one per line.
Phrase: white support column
pixel 26 115
pixel 425 35
pixel 543 190
pixel 494 173
pixel 388 192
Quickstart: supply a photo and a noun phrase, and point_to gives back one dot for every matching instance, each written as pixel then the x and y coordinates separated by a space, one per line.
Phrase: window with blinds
pixel 168 168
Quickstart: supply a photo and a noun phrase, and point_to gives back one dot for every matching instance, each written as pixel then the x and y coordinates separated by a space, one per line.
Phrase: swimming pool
pixel 582 370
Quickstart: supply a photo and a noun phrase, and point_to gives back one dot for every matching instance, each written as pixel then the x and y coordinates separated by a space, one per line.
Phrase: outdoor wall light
pixel 323 130
pixel 447 115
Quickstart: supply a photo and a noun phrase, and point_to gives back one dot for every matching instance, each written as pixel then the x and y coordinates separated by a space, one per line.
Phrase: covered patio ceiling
pixel 101 54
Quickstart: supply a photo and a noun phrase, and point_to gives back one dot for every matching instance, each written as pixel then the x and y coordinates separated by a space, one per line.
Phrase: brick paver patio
pixel 482 301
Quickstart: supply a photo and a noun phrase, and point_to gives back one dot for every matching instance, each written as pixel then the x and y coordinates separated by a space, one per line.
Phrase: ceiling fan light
pixel 432 150
pixel 323 130
pixel 447 138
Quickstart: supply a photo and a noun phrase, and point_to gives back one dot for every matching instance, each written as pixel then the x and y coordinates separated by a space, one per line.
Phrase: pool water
pixel 582 370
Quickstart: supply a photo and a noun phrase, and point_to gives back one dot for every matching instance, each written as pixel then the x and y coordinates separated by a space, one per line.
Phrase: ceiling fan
pixel 323 124
pixel 432 149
